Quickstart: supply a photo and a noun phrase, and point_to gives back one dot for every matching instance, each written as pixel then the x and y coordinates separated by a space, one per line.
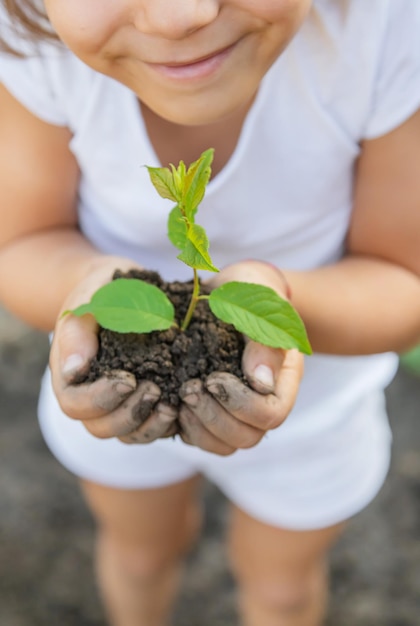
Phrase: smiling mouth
pixel 195 61
pixel 194 69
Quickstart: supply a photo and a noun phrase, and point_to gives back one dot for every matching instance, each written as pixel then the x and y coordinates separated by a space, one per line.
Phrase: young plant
pixel 126 305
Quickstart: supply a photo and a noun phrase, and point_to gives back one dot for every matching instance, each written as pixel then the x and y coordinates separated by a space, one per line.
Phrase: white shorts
pixel 294 478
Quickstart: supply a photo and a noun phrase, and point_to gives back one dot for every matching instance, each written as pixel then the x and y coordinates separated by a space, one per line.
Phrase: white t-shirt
pixel 351 73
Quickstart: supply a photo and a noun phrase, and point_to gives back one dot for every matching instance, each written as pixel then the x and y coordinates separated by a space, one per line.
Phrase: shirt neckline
pixel 236 156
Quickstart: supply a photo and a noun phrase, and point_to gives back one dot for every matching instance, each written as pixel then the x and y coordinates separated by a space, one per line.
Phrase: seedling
pixel 135 306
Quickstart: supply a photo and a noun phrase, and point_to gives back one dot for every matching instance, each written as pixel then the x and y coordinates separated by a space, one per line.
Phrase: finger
pixel 261 366
pixel 87 401
pixel 129 416
pixel 216 419
pixel 74 345
pixel 161 423
pixel 194 434
pixel 261 411
pixel 272 370
pixel 289 379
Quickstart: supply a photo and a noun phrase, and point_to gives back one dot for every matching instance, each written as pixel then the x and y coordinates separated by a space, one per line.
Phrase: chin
pixel 197 113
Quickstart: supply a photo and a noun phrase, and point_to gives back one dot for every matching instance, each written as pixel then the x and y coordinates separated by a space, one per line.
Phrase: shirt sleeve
pixel 396 94
pixel 29 81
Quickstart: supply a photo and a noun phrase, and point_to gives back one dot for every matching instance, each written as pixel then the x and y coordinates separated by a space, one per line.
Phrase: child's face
pixel 192 62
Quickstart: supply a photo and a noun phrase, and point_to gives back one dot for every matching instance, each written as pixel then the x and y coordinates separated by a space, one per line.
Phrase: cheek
pixel 286 17
pixel 272 11
pixel 84 26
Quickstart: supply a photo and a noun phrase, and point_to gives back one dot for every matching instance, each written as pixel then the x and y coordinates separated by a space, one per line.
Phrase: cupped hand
pixel 114 405
pixel 224 414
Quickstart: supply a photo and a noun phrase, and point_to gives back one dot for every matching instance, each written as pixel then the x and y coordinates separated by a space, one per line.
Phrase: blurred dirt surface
pixel 46 533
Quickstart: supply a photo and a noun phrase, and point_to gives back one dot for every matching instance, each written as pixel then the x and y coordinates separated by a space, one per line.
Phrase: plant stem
pixel 193 302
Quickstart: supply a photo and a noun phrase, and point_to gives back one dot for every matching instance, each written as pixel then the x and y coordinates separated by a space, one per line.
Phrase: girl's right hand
pixel 114 405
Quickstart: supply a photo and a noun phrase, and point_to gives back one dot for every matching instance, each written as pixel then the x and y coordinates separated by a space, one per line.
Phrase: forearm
pixel 37 272
pixel 359 305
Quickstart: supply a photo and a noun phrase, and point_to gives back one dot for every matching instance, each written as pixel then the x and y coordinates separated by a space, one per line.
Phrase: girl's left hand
pixel 224 414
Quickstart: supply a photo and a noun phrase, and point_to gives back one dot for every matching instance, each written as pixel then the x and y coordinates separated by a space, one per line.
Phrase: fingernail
pixel 264 375
pixel 191 399
pixel 123 389
pixel 142 411
pixel 72 364
pixel 218 390
pixel 149 397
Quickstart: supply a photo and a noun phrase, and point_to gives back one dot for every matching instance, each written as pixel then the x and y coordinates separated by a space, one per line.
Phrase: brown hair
pixel 28 20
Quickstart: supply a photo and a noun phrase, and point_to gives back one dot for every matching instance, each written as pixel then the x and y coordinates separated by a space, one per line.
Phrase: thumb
pixel 74 345
pixel 261 366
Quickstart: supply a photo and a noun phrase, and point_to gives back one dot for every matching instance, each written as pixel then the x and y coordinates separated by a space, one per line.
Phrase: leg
pixel 142 537
pixel 282 574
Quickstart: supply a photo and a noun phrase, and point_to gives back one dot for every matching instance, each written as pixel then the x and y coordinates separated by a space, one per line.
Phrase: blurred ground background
pixel 46 532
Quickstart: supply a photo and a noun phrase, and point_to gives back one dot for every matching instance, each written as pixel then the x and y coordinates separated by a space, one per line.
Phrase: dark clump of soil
pixel 171 357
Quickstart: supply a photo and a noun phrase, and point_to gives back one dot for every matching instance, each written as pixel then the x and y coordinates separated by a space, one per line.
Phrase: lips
pixel 195 61
pixel 194 69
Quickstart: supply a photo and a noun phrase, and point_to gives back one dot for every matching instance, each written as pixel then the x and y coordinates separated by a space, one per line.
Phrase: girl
pixel 312 110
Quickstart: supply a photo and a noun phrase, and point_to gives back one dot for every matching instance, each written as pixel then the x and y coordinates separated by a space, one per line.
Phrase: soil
pixel 171 357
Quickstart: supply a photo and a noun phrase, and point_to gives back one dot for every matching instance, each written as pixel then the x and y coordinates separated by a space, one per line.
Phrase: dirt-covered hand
pixel 225 414
pixel 114 405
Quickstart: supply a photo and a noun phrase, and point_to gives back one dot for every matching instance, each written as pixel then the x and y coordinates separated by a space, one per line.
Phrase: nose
pixel 174 19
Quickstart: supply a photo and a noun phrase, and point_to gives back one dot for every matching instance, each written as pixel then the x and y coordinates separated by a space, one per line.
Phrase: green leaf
pixel 178 174
pixel 163 181
pixel 195 254
pixel 261 314
pixel 177 228
pixel 127 305
pixel 196 179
